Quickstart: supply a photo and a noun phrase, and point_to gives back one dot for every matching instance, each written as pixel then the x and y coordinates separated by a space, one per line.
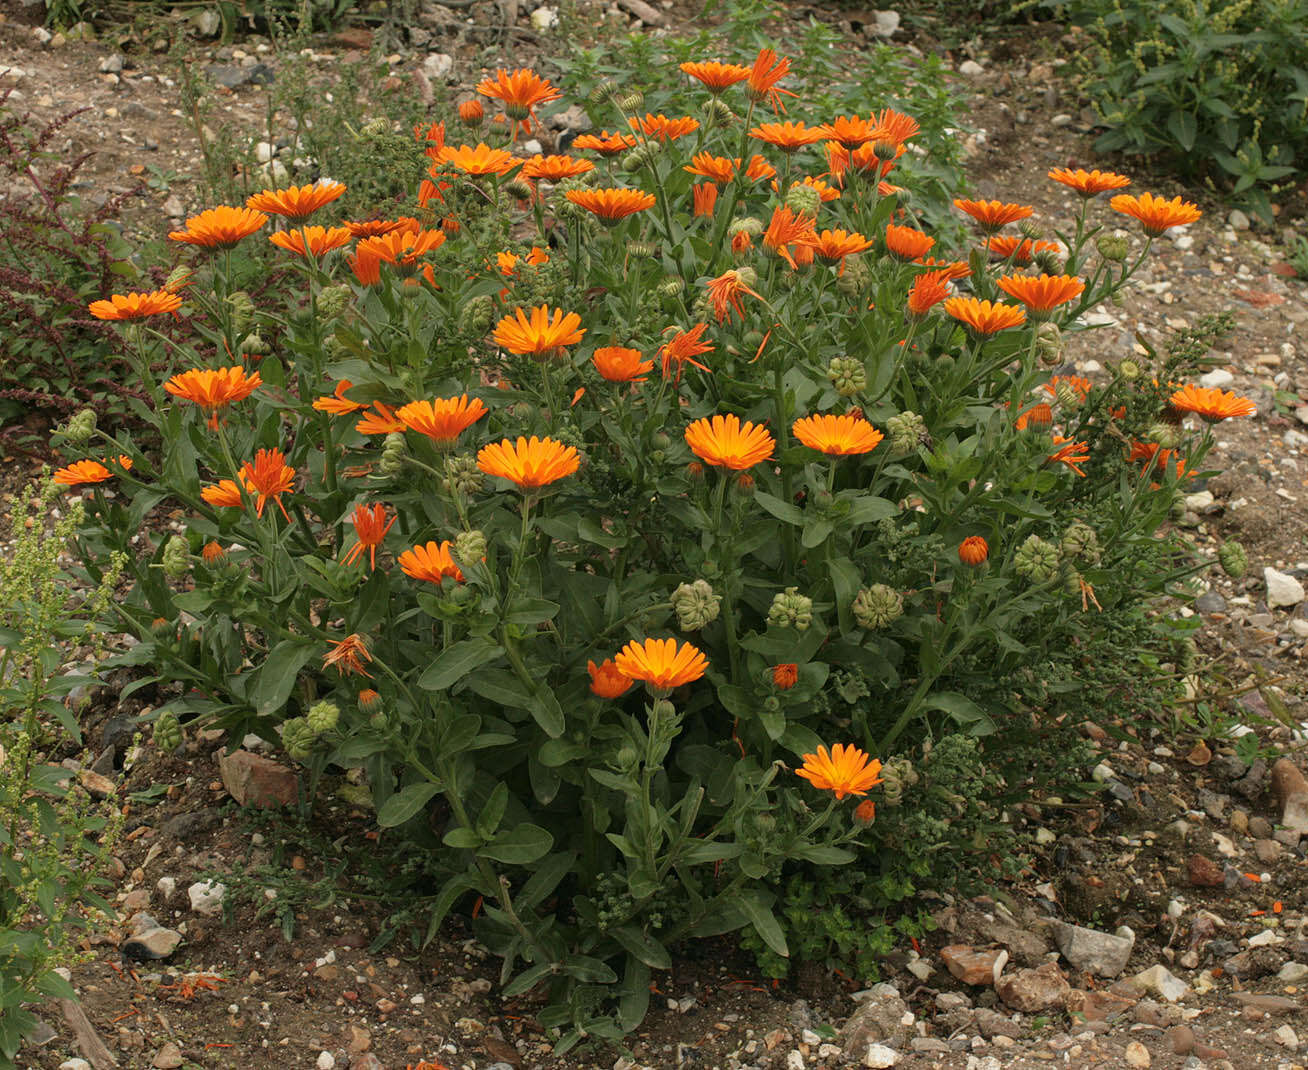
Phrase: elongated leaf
pixel 493 812
pixel 405 803
pixel 456 662
pixel 519 846
pixel 757 907
pixel 783 511
pixel 643 946
pixel 278 673
pixel 963 711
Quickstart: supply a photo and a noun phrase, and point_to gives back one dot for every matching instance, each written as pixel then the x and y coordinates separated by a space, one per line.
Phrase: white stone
pixel 544 18
pixel 1264 938
pixel 437 65
pixel 207 897
pixel 326 1061
pixel 1287 1037
pixel 166 886
pixel 887 22
pixel 879 1056
pixel 74 1064
pixel 794 1061
pixel 1282 590
pixel 1159 980
pixel 1137 1055
pixel 970 68
pixel 1238 219
pixel 1299 627
pixel 1292 973
pixel 11 75
pixel 1199 500
pixel 207 22
pixel 264 151
pixel 1216 379
pixel 1184 242
pixel 41 34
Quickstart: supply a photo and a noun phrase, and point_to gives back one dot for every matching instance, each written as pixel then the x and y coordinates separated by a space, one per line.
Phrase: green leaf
pixel 815 533
pixel 962 710
pixel 527 612
pixel 405 803
pixel 519 846
pixel 549 872
pixel 592 970
pixel 529 979
pixel 824 855
pixel 492 813
pixel 556 752
pixel 869 508
pixel 463 838
pixel 643 946
pixel 783 511
pixel 547 712
pixel 278 674
pixel 1183 126
pixel 757 907
pixel 454 663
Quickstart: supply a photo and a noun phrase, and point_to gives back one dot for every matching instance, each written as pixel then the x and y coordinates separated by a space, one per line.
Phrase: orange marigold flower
pixel 832 246
pixel 764 75
pixel 618 364
pixel 850 131
pixel 400 249
pixel 895 126
pixel 827 193
pixel 369 700
pixel 726 293
pixel 682 348
pixel 717 169
pixel 785 675
pixel 213 553
pixel 845 771
pixel 741 243
pixel 432 137
pixel 349 655
pixel 983 317
pixel 471 112
pixel 521 92
pixel 605 143
pixel 82 472
pixel 973 550
pixel 135 306
pixel 1079 383
pixel 607 680
pixel 1019 250
pixel 380 420
pixel 952 269
pixel 444 419
pixel 296 203
pixel 1156 215
pixel 482 160
pixel 219 228
pixel 224 494
pixel 906 243
pixel 269 477
pixel 837 436
pixel 1038 416
pixel 1072 454
pixel 785 229
pixel 661 127
pixel 555 168
pixel 213 389
pixel 865 812
pixel 787 136
pixel 431 562
pixel 704 198
pixel 543 335
pixel 661 663
pixel 373 227
pixel 529 463
pixel 759 168
pixel 1044 294
pixel 508 262
pixel 428 191
pixel 1089 183
pixel 723 441
pixel 991 215
pixel 716 76
pixel 1210 404
pixel 320 240
pixel 927 291
pixel 370 527
pixel 611 205
pixel 1146 452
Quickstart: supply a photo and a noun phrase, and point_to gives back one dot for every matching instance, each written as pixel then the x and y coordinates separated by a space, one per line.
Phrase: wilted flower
pixel 696 605
pixel 877 606
pixel 370 527
pixel 1081 542
pixel 349 655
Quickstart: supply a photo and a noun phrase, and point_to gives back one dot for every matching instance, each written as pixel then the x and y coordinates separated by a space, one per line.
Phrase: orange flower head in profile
pixel 837 436
pixel 619 364
pixel 895 126
pixel 927 291
pixel 442 420
pixel 296 203
pixel 317 240
pixel 349 655
pixel 984 317
pixel 219 228
pixel 907 244
pixel 555 168
pixel 725 442
pixel 785 675
pixel 213 389
pixel 787 136
pixel 825 192
pixel 508 262
pixel 1089 183
pixel 529 463
pixel 611 205
pixel 1038 416
pixel 786 228
pixel 1211 405
pixel 1072 454
pixel 717 169
pixel 338 404
pixel 605 143
pixel 269 477
pixel 135 306
pixel 727 291
pixel 991 215
pixel 682 349
pixel 764 75
pixel 1019 250
pixel 541 335
pixel 380 420
pixel 431 562
pixel 212 553
pixel 973 550
pixel 951 269
pixel 845 771
pixel 82 472
pixel 482 160
pixel 865 812
pixel 1156 214
pixel 370 527
pixel 471 112
pixel 661 663
pixel 662 128
pixel 1042 295
pixel 520 91
pixel 400 249
pixel 832 246
pixel 850 131
pixel 607 680
pixel 716 76
pixel 704 198
pixel 1079 383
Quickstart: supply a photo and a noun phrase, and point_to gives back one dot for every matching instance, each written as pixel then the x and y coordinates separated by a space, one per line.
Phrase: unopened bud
pixel 378 127
pixel 176 558
pixel 877 606
pixel 672 285
pixel 695 605
pixel 746 225
pixel 1029 228
pixel 471 112
pixel 242 309
pixel 631 101
pixel 642 250
pixel 717 112
pixel 333 300
pixel 1112 248
pixel 1233 559
pixel 1166 435
pixel 1128 369
pixel 519 189
pixel 255 345
pixel 80 427
pixel 322 717
pixel 804 200
pixel 469 549
pixel 167 732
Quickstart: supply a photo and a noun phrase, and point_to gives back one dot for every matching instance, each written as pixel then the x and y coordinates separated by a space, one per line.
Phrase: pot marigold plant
pixel 659 551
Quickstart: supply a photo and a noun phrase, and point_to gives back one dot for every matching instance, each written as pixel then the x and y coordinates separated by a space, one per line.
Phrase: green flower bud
pixel 476 315
pixel 1235 562
pixel 847 375
pixel 1067 396
pixel 1036 559
pixel 255 345
pixel 333 300
pixel 334 349
pixel 469 548
pixel 393 453
pixel 790 609
pixel 519 189
pixel 242 307
pixel 642 250
pixel 745 225
pixel 379 721
pixel 374 128
pixel 1128 369
pixel 662 708
pixel 660 441
pixel 1049 344
pixel 1166 435
pixel 631 101
pixel 716 112
pixel 322 717
pixel 1029 228
pixel 696 605
pixel 179 279
pixel 908 431
pixel 772 704
pixel 298 738
pixel 627 758
pixel 462 476
pixel 877 606
pixel 1112 248
pixel 176 558
pixel 671 286
pixel 167 732
pixel 1080 542
pixel 602 93
pixel 803 200
pixel 1049 262
pixel 80 428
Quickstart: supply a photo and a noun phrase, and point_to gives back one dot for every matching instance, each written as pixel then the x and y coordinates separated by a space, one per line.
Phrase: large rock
pixel 1282 590
pixel 1030 991
pixel 881 1017
pixel 150 940
pixel 1103 954
pixel 1292 793
pixel 971 966
pixel 207 897
pixel 253 780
